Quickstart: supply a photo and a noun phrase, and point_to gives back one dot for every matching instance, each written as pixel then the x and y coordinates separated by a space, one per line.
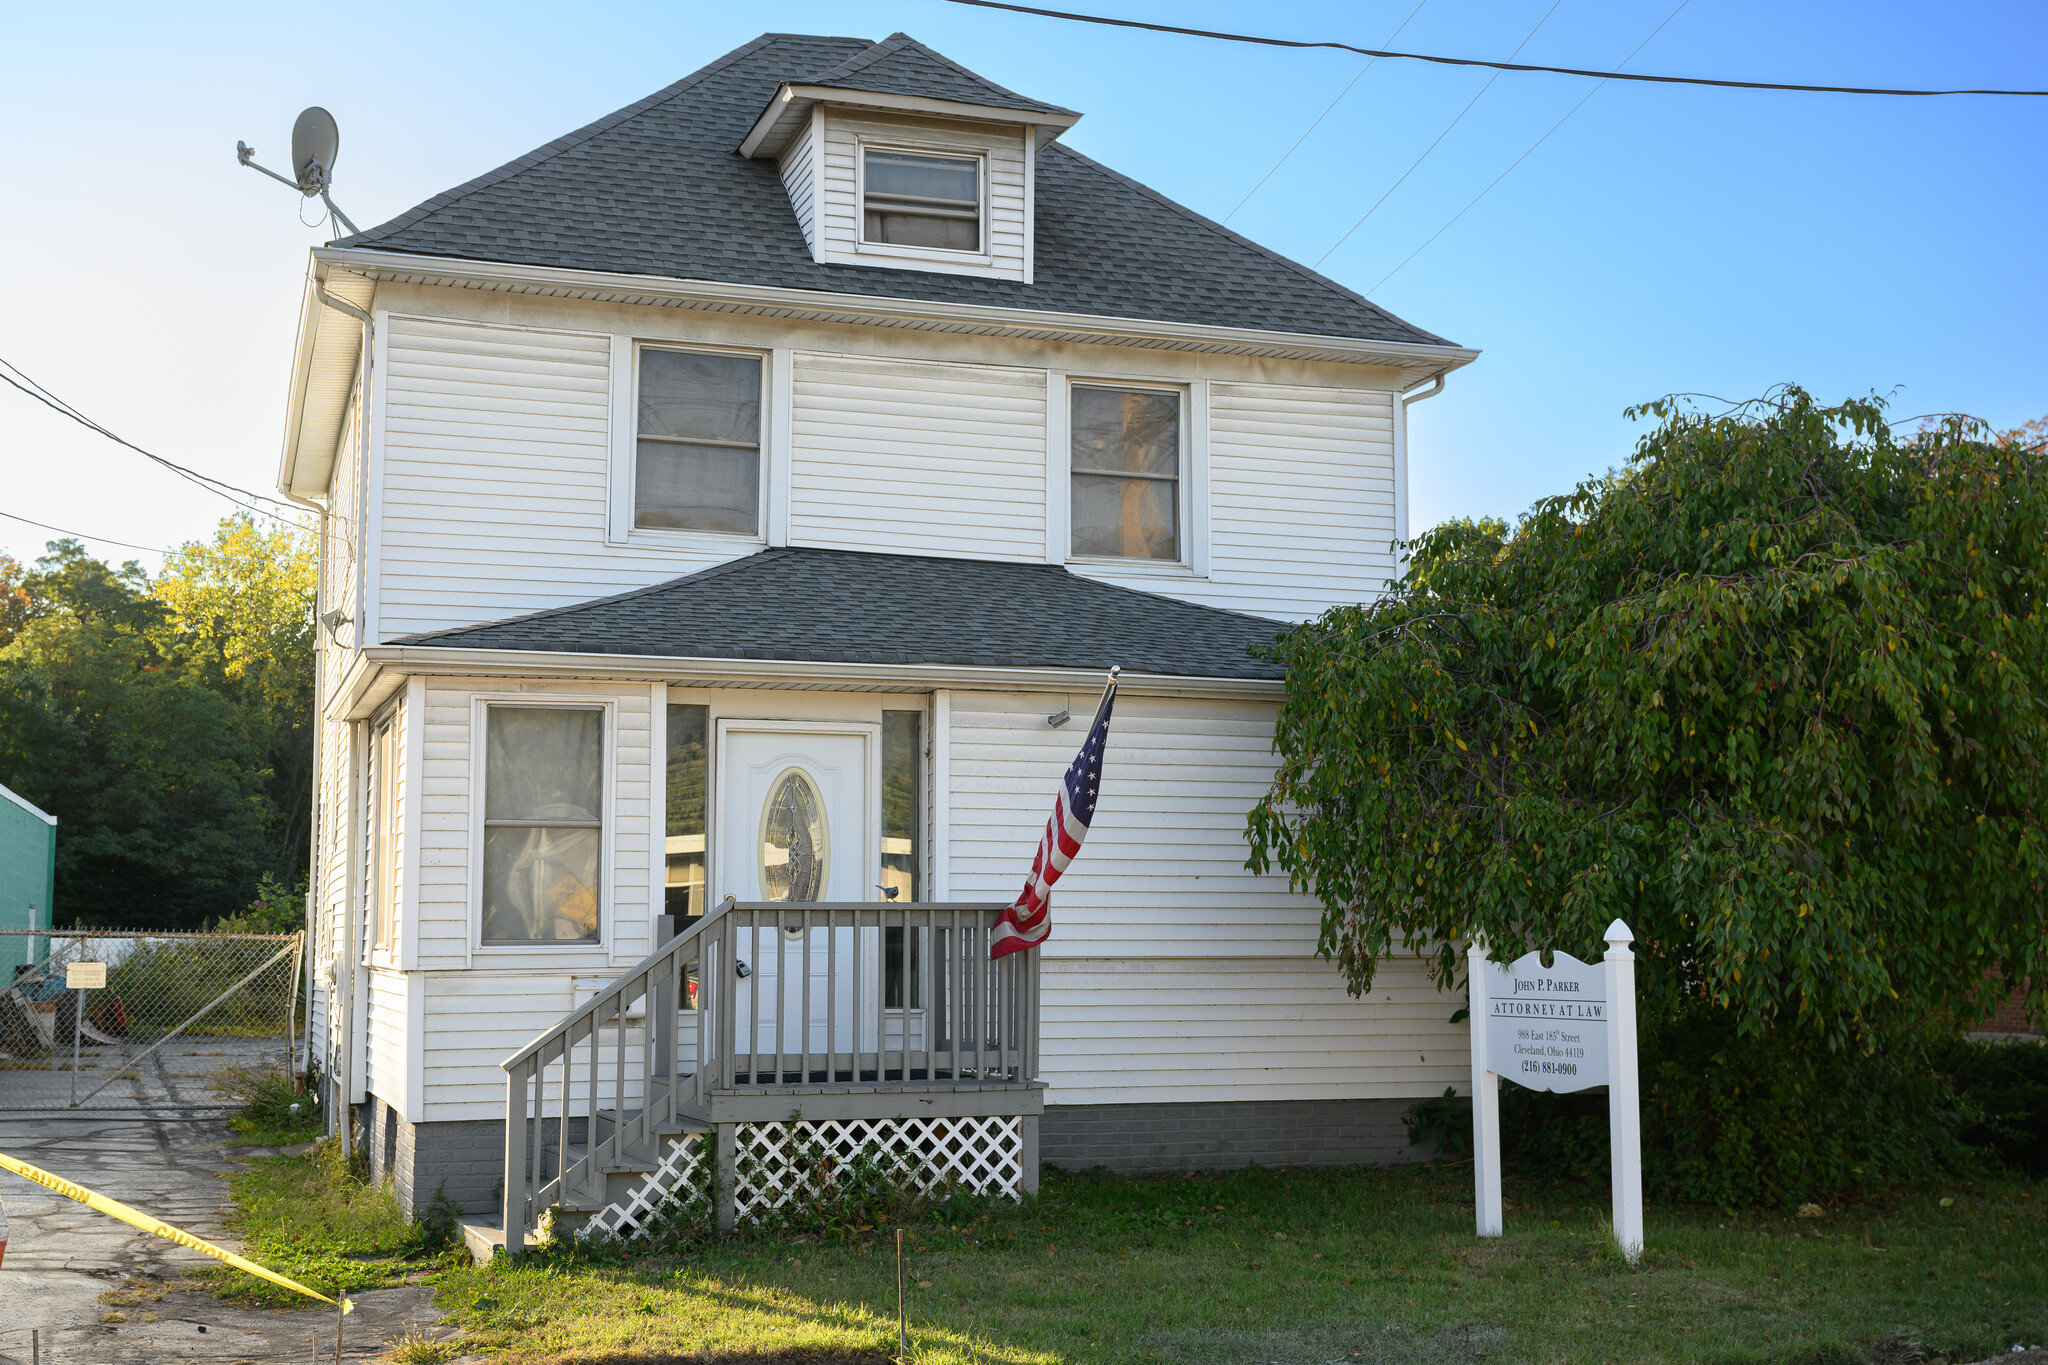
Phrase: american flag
pixel 1028 921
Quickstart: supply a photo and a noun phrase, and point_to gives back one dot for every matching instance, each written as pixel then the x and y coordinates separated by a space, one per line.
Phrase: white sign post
pixel 1569 1026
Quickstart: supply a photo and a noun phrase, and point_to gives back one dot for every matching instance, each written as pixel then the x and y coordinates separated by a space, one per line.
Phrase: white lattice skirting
pixel 776 1160
pixel 678 1170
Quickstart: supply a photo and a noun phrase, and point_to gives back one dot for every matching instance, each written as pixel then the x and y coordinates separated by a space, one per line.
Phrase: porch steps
pixel 622 1179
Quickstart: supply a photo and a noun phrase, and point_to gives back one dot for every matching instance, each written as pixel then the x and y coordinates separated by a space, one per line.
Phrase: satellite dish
pixel 316 140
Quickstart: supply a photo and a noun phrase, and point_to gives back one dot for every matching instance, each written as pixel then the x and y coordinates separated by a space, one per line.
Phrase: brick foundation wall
pixel 1225 1135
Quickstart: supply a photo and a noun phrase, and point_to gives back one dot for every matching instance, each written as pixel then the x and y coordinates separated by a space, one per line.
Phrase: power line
pixel 1319 119
pixel 1474 61
pixel 212 485
pixel 104 540
pixel 1439 140
pixel 1525 155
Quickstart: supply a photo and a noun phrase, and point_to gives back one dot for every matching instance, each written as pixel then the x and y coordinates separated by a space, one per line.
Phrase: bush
pixel 272 1113
pixel 1778 1120
pixel 2004 1088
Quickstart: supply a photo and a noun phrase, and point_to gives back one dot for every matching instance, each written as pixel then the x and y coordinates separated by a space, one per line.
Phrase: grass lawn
pixel 1258 1268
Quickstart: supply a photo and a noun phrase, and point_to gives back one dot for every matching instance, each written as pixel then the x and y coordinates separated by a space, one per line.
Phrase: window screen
pixel 683 892
pixel 928 201
pixel 543 824
pixel 902 801
pixel 1126 473
pixel 698 465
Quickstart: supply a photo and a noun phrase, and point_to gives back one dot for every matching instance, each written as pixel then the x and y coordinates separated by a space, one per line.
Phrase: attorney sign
pixel 1547 1026
pixel 1568 1026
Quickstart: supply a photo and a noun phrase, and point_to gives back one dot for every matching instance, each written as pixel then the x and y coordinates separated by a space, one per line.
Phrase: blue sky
pixel 1663 239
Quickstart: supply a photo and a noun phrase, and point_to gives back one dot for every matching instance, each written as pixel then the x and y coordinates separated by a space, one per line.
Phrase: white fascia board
pixel 1417 362
pixel 380 669
pixel 792 104
pixel 324 361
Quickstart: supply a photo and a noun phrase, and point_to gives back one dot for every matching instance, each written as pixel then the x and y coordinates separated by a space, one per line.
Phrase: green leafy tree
pixel 240 619
pixel 156 780
pixel 166 723
pixel 1776 695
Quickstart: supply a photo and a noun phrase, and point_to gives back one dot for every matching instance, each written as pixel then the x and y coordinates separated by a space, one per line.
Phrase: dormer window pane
pixel 1126 473
pixel 924 201
pixel 698 466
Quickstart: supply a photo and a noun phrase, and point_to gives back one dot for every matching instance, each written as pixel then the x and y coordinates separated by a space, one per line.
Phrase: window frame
pixel 481 705
pixel 382 865
pixel 630 476
pixel 863 144
pixel 1184 473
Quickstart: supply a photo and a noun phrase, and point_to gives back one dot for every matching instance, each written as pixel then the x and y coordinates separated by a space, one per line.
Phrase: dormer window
pixel 916 199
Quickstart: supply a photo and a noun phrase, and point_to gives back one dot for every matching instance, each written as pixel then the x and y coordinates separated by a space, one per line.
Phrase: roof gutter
pixel 380 670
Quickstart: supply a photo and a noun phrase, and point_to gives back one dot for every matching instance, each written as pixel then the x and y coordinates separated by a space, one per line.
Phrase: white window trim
pixel 625 448
pixel 1191 494
pixel 862 145
pixel 607 833
pixel 386 880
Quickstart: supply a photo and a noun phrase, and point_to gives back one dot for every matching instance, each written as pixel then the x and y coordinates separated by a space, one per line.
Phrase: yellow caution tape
pixel 114 1208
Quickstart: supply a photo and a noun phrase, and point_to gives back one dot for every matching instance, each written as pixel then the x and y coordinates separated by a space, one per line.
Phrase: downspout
pixel 1401 470
pixel 313 804
pixel 345 996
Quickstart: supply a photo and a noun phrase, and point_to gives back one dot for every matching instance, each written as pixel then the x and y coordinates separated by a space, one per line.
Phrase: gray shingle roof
pixel 843 606
pixel 658 189
pixel 901 65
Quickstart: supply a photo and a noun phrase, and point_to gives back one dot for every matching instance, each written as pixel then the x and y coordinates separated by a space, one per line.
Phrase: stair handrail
pixel 654 979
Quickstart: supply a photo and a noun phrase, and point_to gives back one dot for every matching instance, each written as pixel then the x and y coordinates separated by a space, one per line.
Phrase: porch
pixel 762 1026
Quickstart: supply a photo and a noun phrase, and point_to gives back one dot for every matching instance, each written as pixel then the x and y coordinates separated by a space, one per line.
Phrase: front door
pixel 795 812
pixel 798 814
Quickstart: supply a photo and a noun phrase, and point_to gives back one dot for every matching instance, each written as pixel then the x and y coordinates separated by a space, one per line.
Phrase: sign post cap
pixel 1618 932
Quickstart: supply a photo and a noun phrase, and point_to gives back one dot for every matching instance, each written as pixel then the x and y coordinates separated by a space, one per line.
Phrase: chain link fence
pixel 109 1021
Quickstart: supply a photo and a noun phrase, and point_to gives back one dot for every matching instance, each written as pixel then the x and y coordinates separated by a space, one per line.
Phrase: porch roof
pixel 843 606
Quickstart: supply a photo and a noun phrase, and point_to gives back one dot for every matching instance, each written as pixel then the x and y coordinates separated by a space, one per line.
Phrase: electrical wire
pixel 1474 61
pixel 104 540
pixel 218 487
pixel 1525 155
pixel 1439 140
pixel 1319 119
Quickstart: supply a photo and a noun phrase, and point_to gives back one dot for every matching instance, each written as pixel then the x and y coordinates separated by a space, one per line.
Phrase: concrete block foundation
pixel 1225 1135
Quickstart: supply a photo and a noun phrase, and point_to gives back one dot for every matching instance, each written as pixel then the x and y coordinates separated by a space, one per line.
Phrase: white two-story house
pixel 744 497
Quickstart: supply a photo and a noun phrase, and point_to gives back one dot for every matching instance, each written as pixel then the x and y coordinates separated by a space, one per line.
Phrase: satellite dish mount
pixel 316 141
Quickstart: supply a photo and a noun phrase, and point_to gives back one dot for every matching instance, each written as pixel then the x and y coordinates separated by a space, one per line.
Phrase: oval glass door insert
pixel 794 840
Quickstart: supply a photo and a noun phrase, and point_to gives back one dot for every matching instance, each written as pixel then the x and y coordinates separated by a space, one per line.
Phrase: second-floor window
pixel 910 199
pixel 698 462
pixel 1125 474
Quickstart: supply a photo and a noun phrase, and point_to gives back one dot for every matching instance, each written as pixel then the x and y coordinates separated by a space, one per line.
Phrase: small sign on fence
pixel 1569 1026
pixel 85 976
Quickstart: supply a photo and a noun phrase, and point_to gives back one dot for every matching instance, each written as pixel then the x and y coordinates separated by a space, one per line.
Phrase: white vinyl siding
pixel 799 174
pixel 1301 497
pixel 839 215
pixel 495 480
pixel 918 457
pixel 1172 973
pixel 1163 1029
pixel 384 1036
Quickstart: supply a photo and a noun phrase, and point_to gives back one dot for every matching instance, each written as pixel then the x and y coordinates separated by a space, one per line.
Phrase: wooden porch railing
pixel 764 999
